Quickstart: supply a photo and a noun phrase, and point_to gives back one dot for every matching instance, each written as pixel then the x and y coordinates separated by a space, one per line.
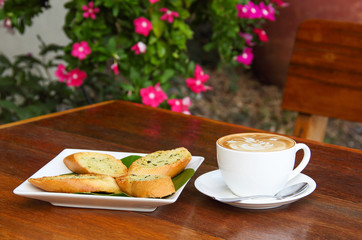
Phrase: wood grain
pixel 333 211
pixel 310 126
pixel 324 76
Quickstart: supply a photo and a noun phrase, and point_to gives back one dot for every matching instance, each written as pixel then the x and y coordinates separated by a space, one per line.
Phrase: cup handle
pixel 304 161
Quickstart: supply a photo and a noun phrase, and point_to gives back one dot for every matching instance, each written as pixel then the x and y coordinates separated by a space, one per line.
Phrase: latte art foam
pixel 256 142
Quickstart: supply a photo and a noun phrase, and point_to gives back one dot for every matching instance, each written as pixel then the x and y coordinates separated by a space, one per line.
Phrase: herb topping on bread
pixel 169 162
pixel 72 183
pixel 155 186
pixel 92 162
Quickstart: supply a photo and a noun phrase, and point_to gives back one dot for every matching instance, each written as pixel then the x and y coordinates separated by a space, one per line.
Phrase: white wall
pixel 48 25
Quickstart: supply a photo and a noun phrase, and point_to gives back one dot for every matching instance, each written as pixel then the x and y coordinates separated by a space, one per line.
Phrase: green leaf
pixel 182 178
pixel 134 75
pixel 188 3
pixel 184 14
pixel 179 39
pixel 178 182
pixel 4 60
pixel 152 40
pixel 158 26
pixel 104 194
pixel 191 67
pixel 184 28
pixel 115 10
pixel 119 194
pixel 130 159
pixel 176 3
pixel 175 54
pixel 112 45
pixel 7 81
pixel 32 110
pixel 161 49
pixel 167 75
pixel 8 105
pixel 155 61
pixel 127 87
pixel 2 13
pixel 66 174
pixel 209 46
pixel 50 48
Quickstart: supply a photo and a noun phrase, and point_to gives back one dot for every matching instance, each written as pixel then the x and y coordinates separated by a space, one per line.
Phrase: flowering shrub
pixel 25 89
pixel 135 49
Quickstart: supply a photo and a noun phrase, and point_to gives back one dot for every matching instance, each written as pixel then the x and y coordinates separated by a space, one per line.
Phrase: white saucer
pixel 213 185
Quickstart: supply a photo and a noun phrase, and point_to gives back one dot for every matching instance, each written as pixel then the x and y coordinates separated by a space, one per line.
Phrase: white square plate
pixel 57 167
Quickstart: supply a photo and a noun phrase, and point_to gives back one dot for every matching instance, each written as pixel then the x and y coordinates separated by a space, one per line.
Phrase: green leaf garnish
pixel 182 178
pixel 104 194
pixel 178 181
pixel 129 160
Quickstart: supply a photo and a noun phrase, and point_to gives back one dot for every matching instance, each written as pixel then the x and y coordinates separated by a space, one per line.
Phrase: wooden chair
pixel 325 76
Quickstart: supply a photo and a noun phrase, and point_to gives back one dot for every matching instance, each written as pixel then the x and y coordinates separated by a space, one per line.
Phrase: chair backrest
pixel 324 76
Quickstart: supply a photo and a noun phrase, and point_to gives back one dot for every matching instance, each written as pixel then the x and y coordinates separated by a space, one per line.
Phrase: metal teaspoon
pixel 290 191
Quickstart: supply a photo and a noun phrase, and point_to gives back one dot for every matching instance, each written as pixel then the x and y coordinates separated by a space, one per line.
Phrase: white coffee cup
pixel 258 163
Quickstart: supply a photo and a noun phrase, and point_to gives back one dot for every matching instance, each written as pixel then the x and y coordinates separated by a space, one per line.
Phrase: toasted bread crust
pixel 149 176
pixel 77 183
pixel 156 187
pixel 169 163
pixel 92 162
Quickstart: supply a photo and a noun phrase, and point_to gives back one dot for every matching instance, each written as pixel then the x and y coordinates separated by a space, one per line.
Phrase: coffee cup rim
pixel 256 152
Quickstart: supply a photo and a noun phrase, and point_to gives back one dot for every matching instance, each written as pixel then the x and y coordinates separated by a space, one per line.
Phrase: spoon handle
pixel 236 199
pixel 290 191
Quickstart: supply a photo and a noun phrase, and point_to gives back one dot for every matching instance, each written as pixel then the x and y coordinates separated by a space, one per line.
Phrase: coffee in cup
pixel 258 163
pixel 256 142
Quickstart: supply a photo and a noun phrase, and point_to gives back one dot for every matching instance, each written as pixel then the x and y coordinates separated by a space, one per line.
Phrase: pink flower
pixel 61 73
pixel 254 11
pixel 248 11
pixel 243 10
pixel 75 78
pixel 268 12
pixel 2 2
pixel 153 1
pixel 196 84
pixel 199 74
pixel 271 10
pixel 247 37
pixel 246 57
pixel 90 10
pixel 280 3
pixel 153 96
pixel 139 48
pixel 261 34
pixel 114 68
pixel 142 26
pixel 8 25
pixel 180 105
pixel 169 15
pixel 81 50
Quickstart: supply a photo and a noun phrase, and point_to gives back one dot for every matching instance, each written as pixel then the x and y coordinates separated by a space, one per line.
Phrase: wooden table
pixel 333 211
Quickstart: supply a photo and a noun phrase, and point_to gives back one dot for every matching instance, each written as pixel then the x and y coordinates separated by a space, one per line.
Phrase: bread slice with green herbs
pixel 169 163
pixel 72 183
pixel 147 186
pixel 93 162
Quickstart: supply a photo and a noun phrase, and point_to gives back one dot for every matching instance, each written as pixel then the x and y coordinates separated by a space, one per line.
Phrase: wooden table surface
pixel 332 211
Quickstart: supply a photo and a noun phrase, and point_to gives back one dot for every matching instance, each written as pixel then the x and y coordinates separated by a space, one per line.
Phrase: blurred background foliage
pixel 205 33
